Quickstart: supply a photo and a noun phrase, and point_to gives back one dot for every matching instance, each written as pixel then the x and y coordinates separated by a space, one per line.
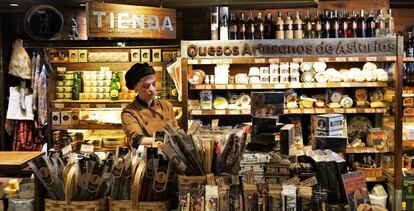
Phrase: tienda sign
pixel 126 21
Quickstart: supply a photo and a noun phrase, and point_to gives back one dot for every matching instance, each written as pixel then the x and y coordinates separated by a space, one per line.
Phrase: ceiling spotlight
pixel 13 4
pixel 82 4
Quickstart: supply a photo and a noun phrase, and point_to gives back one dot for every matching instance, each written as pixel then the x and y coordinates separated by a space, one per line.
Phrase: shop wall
pixel 403 19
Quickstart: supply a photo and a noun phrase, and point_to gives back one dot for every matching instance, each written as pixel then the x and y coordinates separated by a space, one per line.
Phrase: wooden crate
pixel 97 205
pixel 126 205
pixel 371 172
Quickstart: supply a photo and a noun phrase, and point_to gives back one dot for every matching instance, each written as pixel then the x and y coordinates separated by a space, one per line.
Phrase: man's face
pixel 146 87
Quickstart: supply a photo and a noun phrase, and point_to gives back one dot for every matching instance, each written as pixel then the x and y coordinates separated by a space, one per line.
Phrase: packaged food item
pixel 196 76
pixel 220 103
pixel 206 99
pixel 319 66
pixel 274 69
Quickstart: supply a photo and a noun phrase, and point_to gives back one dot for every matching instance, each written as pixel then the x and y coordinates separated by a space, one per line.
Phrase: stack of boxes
pixel 329 125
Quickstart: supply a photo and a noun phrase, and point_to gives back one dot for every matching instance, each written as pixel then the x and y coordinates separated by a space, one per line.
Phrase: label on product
pixel 84 105
pixel 199 86
pixel 351 110
pixel 381 110
pixel 371 58
pixel 339 110
pixel 353 59
pixel 104 68
pixel 61 69
pixel 59 105
pixel 323 59
pixel 260 60
pixel 309 182
pixel 196 112
pixel 274 60
pixel 294 111
pixel 67 149
pixel 230 86
pixel 297 59
pixel 86 149
pixel 340 59
pixel 100 105
pixel 214 123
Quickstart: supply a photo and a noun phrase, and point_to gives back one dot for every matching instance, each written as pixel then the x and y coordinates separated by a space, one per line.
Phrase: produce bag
pixel 20 64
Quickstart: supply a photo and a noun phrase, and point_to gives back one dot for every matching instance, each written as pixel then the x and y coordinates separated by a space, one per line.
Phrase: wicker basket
pixel 126 205
pixel 97 205
pixel 371 172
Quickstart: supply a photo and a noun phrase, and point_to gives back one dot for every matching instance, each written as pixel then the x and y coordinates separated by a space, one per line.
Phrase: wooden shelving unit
pixel 288 85
pixel 195 112
pixel 350 150
pixel 60 104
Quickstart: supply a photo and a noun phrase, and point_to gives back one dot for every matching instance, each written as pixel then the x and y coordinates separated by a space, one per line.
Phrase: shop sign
pixel 289 48
pixel 126 21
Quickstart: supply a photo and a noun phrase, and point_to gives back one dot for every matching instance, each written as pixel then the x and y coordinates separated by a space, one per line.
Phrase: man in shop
pixel 145 115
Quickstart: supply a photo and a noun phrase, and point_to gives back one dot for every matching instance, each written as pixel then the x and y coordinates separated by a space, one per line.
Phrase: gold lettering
pixel 192 51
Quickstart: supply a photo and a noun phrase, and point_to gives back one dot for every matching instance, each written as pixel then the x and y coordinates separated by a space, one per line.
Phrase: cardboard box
pixel 74 116
pixel 328 133
pixel 267 104
pixel 168 56
pixel 65 117
pixel 156 55
pixel 73 56
pixel 145 55
pixel 135 55
pixel 287 138
pixel 56 118
pixel 83 55
pixel 329 122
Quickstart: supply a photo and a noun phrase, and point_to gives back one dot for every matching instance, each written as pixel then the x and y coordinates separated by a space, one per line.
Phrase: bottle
pixel 224 28
pixel 250 33
pixel 297 27
pixel 334 24
pixel 410 46
pixel 307 26
pixel 343 25
pixel 403 206
pixel 389 24
pixel 241 27
pixel 326 25
pixel 233 27
pixel 75 87
pixel 288 26
pixel 214 23
pixel 268 30
pixel 259 27
pixel 279 27
pixel 316 26
pixel 354 24
pixel 117 81
pixel 361 25
pixel 114 93
pixel 404 74
pixel 370 24
pixel 80 81
pixel 380 24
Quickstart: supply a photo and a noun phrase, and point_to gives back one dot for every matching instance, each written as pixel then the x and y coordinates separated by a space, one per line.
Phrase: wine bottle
pixel 361 25
pixel 370 24
pixel 241 28
pixel 224 28
pixel 334 24
pixel 307 26
pixel 326 25
pixel 343 25
pixel 250 28
pixel 279 27
pixel 380 24
pixel 354 24
pixel 233 27
pixel 288 26
pixel 389 24
pixel 268 31
pixel 297 27
pixel 316 26
pixel 259 27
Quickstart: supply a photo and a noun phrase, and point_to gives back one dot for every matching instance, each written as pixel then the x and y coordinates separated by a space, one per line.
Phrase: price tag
pixel 390 58
pixel 323 59
pixel 370 110
pixel 196 112
pixel 351 110
pixel 100 106
pixel 220 112
pixel 308 85
pixel 67 149
pixel 245 111
pixel 230 86
pixel 338 110
pixel 226 61
pixel 280 86
pixel 261 60
pixel 234 112
pixel 84 106
pixel 321 85
pixel 208 86
pixel 371 58
pixel 199 86
pixel 220 86
pixel 214 123
pixel 345 84
pixel 353 59
pixel 240 86
pixel 294 111
pixel 193 61
pixel 256 86
pixel 205 61
pixel 340 59
pixel 61 69
pixel 308 111
pixel 104 68
pixel 59 105
pixel 274 60
pixel 381 110
pixel 86 149
pixel 297 59
pixel 320 110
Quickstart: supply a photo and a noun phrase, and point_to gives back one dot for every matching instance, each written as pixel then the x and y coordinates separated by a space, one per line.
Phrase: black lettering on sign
pixel 320 49
pixel 283 49
pixel 192 51
pixel 341 48
pixel 236 50
pixel 301 49
pixel 246 49
pixel 309 49
pixel 275 49
pixel 329 48
pixel 202 51
pixel 227 50
pixel 211 50
pixel 351 47
pixel 219 51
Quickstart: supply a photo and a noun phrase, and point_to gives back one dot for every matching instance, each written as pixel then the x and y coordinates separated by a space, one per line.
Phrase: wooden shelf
pixel 408 59
pixel 358 150
pixel 96 66
pixel 376 179
pixel 267 60
pixel 60 104
pixel 87 126
pixel 196 112
pixel 287 86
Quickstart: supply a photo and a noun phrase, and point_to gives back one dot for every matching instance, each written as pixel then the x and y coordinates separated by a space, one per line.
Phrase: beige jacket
pixel 140 120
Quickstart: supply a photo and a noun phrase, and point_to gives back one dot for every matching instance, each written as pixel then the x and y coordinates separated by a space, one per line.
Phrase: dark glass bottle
pixel 410 46
pixel 343 26
pixel 307 26
pixel 334 24
pixel 279 27
pixel 259 27
pixel 370 24
pixel 326 25
pixel 233 27
pixel 241 28
pixel 316 26
pixel 361 25
pixel 250 28
pixel 268 30
pixel 354 24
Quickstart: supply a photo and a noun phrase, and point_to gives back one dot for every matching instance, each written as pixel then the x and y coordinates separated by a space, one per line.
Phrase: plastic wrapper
pixel 232 152
pixel 20 64
pixel 16 204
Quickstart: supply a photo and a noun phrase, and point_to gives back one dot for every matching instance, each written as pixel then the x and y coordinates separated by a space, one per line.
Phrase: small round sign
pixel 43 22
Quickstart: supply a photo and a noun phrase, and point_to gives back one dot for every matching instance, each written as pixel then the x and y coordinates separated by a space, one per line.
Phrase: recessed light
pixel 13 4
pixel 82 4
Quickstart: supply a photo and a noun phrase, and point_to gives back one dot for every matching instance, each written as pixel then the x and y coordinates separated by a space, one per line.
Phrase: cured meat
pixel 38 65
pixel 42 101
pixel 20 64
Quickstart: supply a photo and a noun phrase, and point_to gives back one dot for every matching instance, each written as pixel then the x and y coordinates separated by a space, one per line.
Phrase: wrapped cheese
pixel 369 66
pixel 346 77
pixel 319 66
pixel 20 63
